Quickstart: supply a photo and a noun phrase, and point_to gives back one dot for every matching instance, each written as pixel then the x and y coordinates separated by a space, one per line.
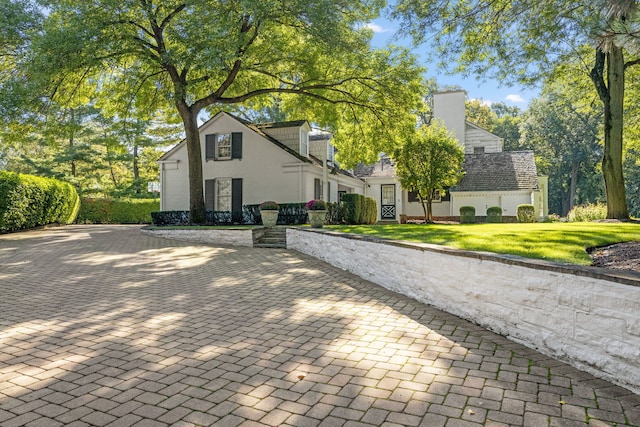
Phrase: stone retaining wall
pixel 226 236
pixel 585 316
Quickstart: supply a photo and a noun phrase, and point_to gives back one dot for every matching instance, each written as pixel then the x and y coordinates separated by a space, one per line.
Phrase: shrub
pixel 372 210
pixel 269 206
pixel 108 211
pixel 29 201
pixel 336 212
pixel 352 208
pixel 494 214
pixel 586 213
pixel 526 213
pixel 467 215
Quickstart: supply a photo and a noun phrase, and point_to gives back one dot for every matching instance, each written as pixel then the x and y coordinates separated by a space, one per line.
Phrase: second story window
pixel 304 143
pixel 223 146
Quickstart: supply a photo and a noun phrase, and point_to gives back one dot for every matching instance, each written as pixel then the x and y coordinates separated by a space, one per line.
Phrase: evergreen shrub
pixel 526 213
pixel 28 201
pixel 494 214
pixel 467 215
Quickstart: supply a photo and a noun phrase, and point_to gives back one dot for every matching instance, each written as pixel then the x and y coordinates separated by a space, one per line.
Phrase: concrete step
pixel 270 245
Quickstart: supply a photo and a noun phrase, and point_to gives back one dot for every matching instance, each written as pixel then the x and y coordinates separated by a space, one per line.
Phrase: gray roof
pixel 505 171
pixel 383 167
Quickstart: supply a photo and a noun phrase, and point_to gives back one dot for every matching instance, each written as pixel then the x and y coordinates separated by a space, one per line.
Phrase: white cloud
pixel 515 98
pixel 377 28
pixel 482 101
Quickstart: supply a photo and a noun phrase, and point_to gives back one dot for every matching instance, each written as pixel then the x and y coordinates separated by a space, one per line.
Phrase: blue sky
pixel 488 90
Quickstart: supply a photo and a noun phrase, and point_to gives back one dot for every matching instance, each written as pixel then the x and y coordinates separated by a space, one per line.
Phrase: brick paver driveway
pixel 102 325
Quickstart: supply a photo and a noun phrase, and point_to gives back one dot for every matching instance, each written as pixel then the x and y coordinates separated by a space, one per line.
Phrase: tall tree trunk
pixel 194 157
pixel 612 96
pixel 573 183
pixel 613 128
pixel 74 172
pixel 136 169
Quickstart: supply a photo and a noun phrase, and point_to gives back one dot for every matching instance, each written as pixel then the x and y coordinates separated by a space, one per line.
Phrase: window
pixel 478 150
pixel 223 194
pixel 304 143
pixel 317 188
pixel 340 193
pixel 223 146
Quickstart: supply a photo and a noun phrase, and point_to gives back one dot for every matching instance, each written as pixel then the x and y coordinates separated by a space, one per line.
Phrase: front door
pixel 388 201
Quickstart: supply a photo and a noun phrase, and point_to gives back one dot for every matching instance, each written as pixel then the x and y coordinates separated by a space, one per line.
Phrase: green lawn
pixel 561 242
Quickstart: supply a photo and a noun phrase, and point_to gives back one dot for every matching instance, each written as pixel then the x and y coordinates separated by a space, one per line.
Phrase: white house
pixel 493 177
pixel 246 164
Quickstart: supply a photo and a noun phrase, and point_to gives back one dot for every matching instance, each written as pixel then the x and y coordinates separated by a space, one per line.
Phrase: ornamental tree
pixel 430 160
pixel 196 55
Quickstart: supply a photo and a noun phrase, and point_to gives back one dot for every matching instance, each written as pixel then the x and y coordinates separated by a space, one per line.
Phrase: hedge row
pixel 28 201
pixel 107 211
pixel 352 210
pixel 359 209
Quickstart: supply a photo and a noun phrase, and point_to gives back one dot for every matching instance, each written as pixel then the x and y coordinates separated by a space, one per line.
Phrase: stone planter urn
pixel 269 218
pixel 269 213
pixel 317 218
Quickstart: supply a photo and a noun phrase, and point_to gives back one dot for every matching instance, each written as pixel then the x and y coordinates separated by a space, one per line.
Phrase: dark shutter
pixel 210 146
pixel 328 197
pixel 236 194
pixel 317 188
pixel 236 145
pixel 209 194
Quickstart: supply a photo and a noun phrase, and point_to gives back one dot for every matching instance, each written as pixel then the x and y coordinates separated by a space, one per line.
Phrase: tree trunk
pixel 73 154
pixel 136 169
pixel 613 125
pixel 194 157
pixel 573 184
pixel 430 208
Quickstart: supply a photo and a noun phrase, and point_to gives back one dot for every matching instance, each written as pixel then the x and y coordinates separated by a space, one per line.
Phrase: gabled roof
pixel 274 125
pixel 383 167
pixel 255 128
pixel 505 171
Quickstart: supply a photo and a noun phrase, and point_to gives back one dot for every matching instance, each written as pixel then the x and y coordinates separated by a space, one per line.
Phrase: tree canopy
pixel 429 160
pixel 199 55
pixel 528 41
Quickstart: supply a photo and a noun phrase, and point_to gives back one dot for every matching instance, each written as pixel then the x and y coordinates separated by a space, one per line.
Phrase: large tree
pixel 197 54
pixel 566 141
pixel 527 41
pixel 429 160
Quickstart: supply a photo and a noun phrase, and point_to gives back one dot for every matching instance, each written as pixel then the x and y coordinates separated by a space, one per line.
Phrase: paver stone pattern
pixel 105 326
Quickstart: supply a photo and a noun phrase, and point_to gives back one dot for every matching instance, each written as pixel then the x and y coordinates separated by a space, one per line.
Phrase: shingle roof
pixel 293 123
pixel 383 167
pixel 505 171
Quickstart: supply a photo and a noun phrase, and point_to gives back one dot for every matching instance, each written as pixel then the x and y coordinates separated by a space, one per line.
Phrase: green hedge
pixel 359 209
pixel 467 215
pixel 108 211
pixel 526 213
pixel 28 201
pixel 494 214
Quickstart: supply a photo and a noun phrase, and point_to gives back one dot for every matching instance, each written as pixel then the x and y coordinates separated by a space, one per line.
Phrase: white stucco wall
pixel 482 200
pixel 573 314
pixel 268 172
